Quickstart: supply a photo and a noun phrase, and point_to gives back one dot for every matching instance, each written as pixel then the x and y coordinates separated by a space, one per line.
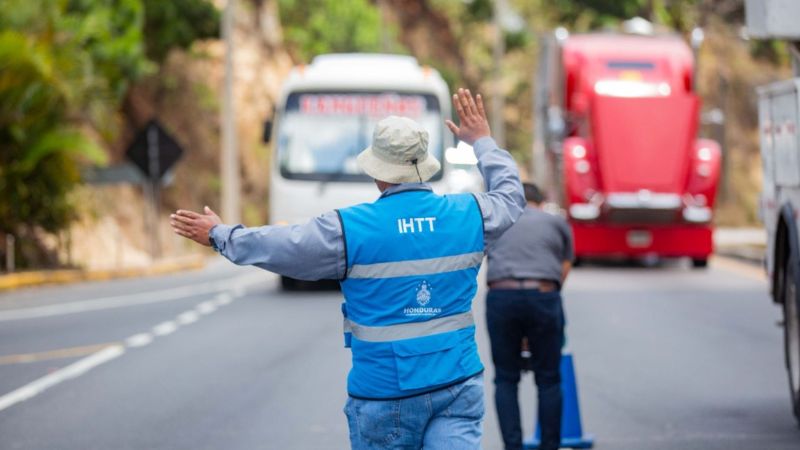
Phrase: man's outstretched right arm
pixel 311 251
pixel 504 200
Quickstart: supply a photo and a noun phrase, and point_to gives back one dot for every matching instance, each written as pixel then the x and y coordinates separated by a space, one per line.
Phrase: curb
pixel 42 277
pixel 749 255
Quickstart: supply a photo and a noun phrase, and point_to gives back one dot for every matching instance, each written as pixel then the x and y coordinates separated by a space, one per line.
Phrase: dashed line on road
pixel 223 299
pixel 139 340
pixel 188 317
pixel 165 328
pixel 73 370
pixel 139 298
pixel 206 307
pixel 71 352
pixel 109 351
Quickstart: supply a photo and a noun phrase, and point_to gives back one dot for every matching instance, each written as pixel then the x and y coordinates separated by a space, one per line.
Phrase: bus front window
pixel 321 134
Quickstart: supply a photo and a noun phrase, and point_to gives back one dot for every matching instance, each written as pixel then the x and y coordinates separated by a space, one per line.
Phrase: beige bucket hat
pixel 399 152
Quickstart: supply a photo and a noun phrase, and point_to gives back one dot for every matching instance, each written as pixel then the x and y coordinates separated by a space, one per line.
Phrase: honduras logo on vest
pixel 424 295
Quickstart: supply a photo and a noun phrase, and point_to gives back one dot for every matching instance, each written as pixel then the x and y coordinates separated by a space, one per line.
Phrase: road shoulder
pixel 48 277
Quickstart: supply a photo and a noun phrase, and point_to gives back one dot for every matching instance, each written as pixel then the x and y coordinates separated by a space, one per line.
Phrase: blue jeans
pixel 446 419
pixel 512 314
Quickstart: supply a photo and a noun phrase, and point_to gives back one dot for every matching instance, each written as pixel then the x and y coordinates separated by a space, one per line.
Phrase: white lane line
pixel 206 307
pixel 140 298
pixel 139 340
pixel 188 317
pixel 75 369
pixel 165 328
pixel 82 366
pixel 222 299
pixel 239 291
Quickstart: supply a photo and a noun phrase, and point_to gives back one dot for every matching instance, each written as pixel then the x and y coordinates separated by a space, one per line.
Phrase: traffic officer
pixel 527 268
pixel 407 265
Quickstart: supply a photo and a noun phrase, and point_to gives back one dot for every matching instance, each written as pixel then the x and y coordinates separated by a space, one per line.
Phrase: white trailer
pixel 778 107
pixel 778 113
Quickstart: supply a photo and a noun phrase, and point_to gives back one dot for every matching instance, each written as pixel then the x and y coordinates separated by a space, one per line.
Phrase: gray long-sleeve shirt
pixel 536 247
pixel 315 250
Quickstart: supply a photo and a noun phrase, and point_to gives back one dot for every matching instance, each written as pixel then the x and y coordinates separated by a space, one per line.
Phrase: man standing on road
pixel 527 268
pixel 408 264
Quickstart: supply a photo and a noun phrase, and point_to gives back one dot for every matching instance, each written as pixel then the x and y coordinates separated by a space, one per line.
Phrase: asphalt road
pixel 666 358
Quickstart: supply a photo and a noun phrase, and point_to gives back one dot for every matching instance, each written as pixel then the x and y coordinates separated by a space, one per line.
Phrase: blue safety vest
pixel 412 261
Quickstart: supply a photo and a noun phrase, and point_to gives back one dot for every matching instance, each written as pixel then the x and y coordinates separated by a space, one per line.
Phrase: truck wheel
pixel 700 263
pixel 791 334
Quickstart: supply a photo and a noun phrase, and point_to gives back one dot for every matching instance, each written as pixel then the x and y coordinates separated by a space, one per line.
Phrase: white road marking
pixel 165 328
pixel 62 353
pixel 222 299
pixel 188 317
pixel 206 307
pixel 139 340
pixel 139 298
pixel 73 370
pixel 82 366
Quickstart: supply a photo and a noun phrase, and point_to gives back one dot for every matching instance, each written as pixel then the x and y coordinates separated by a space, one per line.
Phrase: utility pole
pixel 229 164
pixel 498 100
pixel 10 257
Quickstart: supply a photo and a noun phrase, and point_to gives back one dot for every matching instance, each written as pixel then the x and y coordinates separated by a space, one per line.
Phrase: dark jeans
pixel 510 315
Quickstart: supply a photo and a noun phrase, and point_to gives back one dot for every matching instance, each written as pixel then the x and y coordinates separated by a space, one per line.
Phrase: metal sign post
pixel 153 183
pixel 154 152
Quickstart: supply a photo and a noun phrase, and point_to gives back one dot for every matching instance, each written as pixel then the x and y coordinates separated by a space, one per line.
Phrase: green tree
pixel 64 66
pixel 177 23
pixel 597 13
pixel 313 27
pixel 39 146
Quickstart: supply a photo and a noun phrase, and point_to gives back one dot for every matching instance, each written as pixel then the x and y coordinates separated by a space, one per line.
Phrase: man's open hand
pixel 194 226
pixel 473 124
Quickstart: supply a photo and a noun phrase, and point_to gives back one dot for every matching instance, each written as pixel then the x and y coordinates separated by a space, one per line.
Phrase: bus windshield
pixel 322 133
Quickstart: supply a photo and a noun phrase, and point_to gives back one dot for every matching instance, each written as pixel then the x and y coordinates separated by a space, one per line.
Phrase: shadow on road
pixel 642 263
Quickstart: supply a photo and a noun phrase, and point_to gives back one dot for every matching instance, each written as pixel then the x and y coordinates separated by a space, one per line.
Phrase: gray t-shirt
pixel 534 247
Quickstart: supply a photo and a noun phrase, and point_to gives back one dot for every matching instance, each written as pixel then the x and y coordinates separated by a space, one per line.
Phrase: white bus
pixel 325 117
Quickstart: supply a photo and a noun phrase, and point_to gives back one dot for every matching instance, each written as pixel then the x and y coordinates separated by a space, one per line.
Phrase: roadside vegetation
pixel 78 77
pixel 65 69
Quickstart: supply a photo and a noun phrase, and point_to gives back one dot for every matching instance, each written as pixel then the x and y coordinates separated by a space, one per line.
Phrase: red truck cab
pixel 634 178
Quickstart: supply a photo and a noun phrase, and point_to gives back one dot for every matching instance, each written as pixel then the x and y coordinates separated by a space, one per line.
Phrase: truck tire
pixel 699 263
pixel 791 333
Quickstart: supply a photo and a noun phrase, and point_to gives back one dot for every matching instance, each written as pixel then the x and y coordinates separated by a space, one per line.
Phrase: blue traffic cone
pixel 571 430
